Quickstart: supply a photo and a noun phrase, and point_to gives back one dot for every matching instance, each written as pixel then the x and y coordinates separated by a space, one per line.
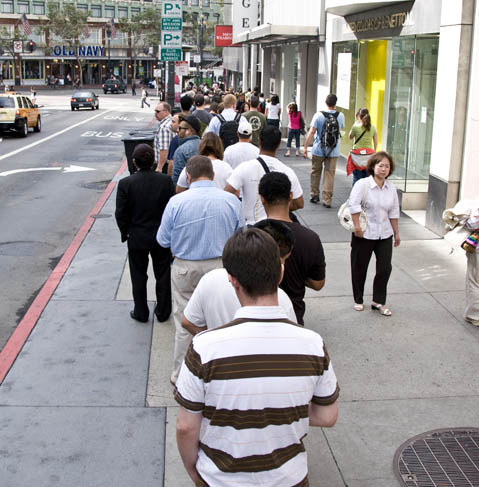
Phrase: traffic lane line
pixel 53 135
pixel 21 333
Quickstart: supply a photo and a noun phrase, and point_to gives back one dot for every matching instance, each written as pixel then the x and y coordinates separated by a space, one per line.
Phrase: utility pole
pixel 108 35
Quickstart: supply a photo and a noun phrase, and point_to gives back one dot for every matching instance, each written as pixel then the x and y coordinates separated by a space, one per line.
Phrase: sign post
pixel 171 40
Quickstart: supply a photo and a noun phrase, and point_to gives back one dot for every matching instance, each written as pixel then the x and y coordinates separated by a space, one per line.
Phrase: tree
pixel 6 44
pixel 143 30
pixel 68 23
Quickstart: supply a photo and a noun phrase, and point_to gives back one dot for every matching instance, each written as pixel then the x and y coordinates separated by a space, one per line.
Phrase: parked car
pixel 114 86
pixel 84 99
pixel 18 113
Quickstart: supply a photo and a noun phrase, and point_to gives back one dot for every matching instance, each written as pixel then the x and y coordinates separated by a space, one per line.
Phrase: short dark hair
pixel 275 187
pixel 144 156
pixel 214 106
pixel 199 167
pixel 274 100
pixel 281 233
pixel 252 257
pixel 199 100
pixel 186 103
pixel 254 101
pixel 331 100
pixel 270 138
pixel 212 145
pixel 377 158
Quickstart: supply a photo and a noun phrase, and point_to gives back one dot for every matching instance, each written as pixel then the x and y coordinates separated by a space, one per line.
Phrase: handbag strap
pixel 356 141
pixel 265 167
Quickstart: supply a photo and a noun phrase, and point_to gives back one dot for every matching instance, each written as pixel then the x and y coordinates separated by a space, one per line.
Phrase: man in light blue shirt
pixel 195 225
pixel 320 159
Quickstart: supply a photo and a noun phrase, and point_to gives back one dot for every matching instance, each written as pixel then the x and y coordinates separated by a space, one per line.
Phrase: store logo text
pixel 379 23
pixel 83 51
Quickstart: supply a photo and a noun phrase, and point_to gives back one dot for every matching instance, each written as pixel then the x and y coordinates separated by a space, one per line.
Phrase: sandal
pixel 381 308
pixel 358 307
pixel 287 154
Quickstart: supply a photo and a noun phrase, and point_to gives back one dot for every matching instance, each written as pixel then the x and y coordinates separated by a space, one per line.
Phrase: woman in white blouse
pixel 273 111
pixel 379 199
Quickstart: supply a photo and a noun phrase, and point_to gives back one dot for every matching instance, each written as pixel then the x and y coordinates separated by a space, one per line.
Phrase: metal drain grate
pixel 439 458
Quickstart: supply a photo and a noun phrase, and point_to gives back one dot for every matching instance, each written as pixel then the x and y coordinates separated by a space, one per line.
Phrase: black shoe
pixel 314 199
pixel 326 205
pixel 163 316
pixel 141 320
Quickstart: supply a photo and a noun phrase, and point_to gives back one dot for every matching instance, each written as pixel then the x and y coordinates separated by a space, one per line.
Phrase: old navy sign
pixel 83 51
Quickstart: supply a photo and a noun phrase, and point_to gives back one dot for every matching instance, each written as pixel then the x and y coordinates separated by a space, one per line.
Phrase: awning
pixel 270 34
pixel 343 8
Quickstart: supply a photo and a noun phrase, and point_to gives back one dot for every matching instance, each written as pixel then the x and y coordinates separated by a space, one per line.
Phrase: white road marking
pixel 51 136
pixel 70 168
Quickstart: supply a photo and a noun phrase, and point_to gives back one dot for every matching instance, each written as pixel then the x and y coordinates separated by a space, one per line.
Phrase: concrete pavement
pixel 88 401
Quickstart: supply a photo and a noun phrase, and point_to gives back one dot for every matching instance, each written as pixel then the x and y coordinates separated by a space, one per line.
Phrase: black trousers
pixel 361 251
pixel 138 260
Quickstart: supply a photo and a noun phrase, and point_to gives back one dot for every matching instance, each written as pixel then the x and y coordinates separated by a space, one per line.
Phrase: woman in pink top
pixel 294 128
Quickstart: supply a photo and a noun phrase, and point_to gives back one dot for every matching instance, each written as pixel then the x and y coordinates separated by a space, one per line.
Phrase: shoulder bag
pixel 344 214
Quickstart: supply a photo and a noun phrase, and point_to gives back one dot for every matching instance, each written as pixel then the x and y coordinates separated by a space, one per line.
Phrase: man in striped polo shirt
pixel 249 389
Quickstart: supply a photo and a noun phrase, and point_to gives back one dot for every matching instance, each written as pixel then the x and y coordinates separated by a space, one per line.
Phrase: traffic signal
pixel 31 46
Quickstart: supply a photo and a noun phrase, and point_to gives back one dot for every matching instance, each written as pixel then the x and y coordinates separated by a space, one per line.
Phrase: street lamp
pixel 202 29
pixel 108 35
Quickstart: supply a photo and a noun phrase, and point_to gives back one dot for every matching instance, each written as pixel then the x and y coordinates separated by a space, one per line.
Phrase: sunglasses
pixel 183 128
pixel 159 111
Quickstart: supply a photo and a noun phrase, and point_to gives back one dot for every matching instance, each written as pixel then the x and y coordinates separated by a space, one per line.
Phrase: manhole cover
pixel 439 458
pixel 23 248
pixel 98 185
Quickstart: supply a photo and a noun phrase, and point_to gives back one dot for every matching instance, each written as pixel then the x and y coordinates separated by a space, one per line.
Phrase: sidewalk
pixel 88 401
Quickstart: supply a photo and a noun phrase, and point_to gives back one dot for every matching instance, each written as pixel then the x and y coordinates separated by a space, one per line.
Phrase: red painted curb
pixel 21 333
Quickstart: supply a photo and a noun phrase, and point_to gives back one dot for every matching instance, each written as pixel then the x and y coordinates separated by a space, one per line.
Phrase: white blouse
pixel 273 111
pixel 381 205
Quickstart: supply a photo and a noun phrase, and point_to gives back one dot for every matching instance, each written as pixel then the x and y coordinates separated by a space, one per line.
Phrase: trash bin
pixel 132 140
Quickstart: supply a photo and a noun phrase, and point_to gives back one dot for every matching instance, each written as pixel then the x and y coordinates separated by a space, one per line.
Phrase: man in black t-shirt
pixel 306 266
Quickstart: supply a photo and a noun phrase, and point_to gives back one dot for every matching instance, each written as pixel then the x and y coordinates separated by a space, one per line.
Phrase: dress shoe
pixel 163 316
pixel 326 205
pixel 141 320
pixel 314 199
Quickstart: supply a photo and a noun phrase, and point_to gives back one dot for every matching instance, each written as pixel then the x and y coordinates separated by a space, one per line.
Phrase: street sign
pixel 181 68
pixel 170 40
pixel 172 9
pixel 172 24
pixel 157 73
pixel 170 54
pixel 197 58
pixel 17 46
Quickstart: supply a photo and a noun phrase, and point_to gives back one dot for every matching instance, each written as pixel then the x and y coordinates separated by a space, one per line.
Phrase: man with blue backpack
pixel 326 129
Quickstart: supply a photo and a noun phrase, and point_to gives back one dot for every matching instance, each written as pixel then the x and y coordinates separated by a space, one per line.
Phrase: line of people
pixel 241 263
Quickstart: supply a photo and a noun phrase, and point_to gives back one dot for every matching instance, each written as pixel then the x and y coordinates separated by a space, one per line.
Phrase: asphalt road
pixel 43 207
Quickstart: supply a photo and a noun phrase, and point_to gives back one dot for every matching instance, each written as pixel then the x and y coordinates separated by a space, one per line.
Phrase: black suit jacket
pixel 140 201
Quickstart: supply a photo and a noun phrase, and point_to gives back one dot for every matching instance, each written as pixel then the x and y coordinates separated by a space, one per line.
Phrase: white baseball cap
pixel 245 128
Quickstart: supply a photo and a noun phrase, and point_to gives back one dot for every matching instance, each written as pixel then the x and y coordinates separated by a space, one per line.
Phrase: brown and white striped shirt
pixel 253 380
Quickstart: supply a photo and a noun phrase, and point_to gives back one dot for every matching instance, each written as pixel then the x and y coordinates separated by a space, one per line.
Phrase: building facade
pixel 409 62
pixel 100 53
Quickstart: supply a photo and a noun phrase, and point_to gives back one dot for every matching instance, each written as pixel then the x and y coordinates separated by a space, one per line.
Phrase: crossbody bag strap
pixel 265 167
pixel 356 141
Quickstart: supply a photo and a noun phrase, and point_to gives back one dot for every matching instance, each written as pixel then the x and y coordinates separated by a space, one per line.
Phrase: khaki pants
pixel 185 275
pixel 328 179
pixel 471 313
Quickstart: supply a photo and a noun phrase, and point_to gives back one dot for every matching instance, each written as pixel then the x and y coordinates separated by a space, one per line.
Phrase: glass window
pixel 26 102
pixel 216 17
pixel 135 11
pixel 19 102
pixel 122 12
pixel 7 7
pixel 185 3
pixel 206 3
pixel 194 17
pixel 39 8
pixel 110 12
pixel 96 10
pixel 206 16
pixel 195 3
pixel 7 102
pixel 82 7
pixel 23 8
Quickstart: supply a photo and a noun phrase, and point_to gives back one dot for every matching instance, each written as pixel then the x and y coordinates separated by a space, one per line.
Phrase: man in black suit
pixel 140 201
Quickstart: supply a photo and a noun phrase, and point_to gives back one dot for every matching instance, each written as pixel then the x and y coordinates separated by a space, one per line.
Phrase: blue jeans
pixel 357 175
pixel 272 121
pixel 293 133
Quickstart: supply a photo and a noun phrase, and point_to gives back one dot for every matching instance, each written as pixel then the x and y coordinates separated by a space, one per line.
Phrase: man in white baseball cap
pixel 243 150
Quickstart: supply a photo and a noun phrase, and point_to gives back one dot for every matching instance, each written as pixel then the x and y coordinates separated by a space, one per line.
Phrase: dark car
pixel 84 99
pixel 114 86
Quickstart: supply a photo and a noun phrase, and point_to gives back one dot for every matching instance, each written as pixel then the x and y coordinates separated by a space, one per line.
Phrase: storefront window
pixel 344 81
pixel 122 12
pixel 23 7
pixel 82 7
pixel 33 69
pixel 39 8
pixel 109 12
pixel 7 7
pixel 96 11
